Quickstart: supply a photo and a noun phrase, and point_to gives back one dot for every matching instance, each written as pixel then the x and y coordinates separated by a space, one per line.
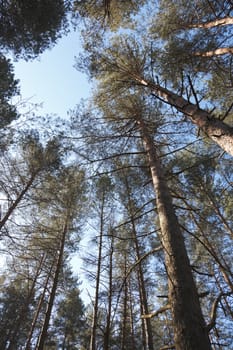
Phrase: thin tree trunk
pixel 190 331
pixel 43 335
pixel 97 286
pixel 39 306
pixel 146 322
pixel 109 311
pixel 125 313
pixel 24 309
pixel 131 319
pixel 17 201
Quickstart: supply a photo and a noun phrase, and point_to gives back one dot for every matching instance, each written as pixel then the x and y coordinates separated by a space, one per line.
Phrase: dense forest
pixel 141 171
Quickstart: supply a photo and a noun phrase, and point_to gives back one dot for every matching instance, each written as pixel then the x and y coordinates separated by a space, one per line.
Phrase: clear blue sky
pixel 52 79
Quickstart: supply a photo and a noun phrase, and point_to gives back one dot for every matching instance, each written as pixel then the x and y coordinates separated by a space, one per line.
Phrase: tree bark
pixel 210 24
pixel 190 331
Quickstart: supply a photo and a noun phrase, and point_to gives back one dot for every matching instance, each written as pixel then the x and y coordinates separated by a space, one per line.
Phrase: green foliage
pixel 27 28
pixel 184 43
pixel 69 323
pixel 13 305
pixel 113 13
pixel 8 89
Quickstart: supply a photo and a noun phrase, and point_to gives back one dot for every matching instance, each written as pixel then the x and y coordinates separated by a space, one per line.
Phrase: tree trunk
pixel 43 335
pixel 109 311
pixel 17 201
pixel 146 322
pixel 215 129
pixel 39 306
pixel 96 301
pixel 190 331
pixel 25 307
pixel 125 310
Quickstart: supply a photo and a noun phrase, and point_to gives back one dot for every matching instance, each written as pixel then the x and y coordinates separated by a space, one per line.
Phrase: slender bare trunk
pixel 131 319
pixel 17 201
pixel 43 335
pixel 24 308
pixel 146 322
pixel 189 326
pixel 38 309
pixel 125 311
pixel 97 286
pixel 109 310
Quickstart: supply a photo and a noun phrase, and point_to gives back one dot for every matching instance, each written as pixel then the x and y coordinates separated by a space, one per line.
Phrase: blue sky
pixel 52 79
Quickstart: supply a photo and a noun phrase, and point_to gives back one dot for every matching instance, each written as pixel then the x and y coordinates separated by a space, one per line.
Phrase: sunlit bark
pixel 210 24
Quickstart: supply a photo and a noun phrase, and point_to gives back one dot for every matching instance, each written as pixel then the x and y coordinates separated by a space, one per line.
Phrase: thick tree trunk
pixel 43 335
pixel 190 331
pixel 215 129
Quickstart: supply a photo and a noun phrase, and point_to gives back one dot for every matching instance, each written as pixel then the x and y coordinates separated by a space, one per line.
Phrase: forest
pixel 134 188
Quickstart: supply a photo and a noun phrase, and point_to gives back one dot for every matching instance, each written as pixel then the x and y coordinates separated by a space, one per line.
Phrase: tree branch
pixel 215 23
pixel 156 313
pixel 214 308
pixel 217 52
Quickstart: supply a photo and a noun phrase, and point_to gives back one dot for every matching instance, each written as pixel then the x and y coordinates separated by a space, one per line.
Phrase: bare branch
pixel 214 308
pixel 156 313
